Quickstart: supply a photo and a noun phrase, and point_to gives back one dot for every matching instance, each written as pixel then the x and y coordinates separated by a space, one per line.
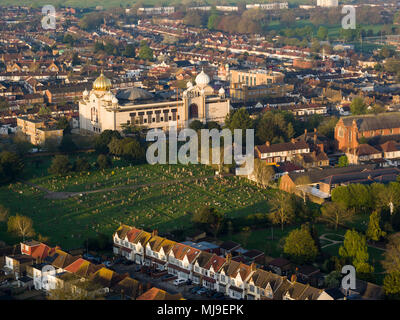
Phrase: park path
pixel 325 237
pixel 61 195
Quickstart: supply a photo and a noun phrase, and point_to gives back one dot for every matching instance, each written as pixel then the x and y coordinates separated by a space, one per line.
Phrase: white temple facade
pixel 101 110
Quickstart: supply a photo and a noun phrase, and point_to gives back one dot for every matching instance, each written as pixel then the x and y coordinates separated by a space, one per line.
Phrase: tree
pixel 102 141
pixel 391 285
pixel 315 46
pixel 343 162
pixel 374 231
pixel 275 126
pixel 21 143
pixel 213 21
pixel 300 245
pixel 355 249
pixel 196 125
pixel 332 280
pixel 282 211
pixel 209 218
pixel 132 149
pixel 103 161
pixel 67 144
pixel 91 21
pixel 193 18
pixel 239 119
pixel 20 225
pixel 129 51
pixel 387 196
pixel 336 213
pixel 81 164
pixel 63 124
pixel 358 106
pixel 116 147
pixel 288 18
pixel 391 262
pixel 245 234
pixel 75 59
pixel 322 33
pixel 3 213
pixel 44 111
pixel 60 165
pixel 11 166
pixel 263 173
pixel 145 52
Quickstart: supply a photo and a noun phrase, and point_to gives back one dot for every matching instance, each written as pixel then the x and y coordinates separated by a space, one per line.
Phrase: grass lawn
pixel 261 239
pixel 69 222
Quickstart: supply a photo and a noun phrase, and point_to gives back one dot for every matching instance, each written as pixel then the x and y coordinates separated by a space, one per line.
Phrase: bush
pixel 103 161
pixel 60 165
pixel 82 165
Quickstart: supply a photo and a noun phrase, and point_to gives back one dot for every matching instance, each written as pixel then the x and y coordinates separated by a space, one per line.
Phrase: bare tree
pixel 392 254
pixel 282 210
pixel 335 213
pixel 263 173
pixel 21 225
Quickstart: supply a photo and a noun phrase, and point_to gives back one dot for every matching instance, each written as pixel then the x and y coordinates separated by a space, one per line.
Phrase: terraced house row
pixel 47 268
pixel 235 279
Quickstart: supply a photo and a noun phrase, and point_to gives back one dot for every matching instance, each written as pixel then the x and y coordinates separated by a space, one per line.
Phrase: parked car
pixel 118 260
pixel 217 295
pixel 179 282
pixel 189 282
pixel 195 289
pixel 202 291
pixel 168 277
pixel 210 293
pixel 88 256
pixel 108 264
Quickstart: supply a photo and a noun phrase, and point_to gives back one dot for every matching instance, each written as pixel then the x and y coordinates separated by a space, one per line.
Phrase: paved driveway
pixel 164 285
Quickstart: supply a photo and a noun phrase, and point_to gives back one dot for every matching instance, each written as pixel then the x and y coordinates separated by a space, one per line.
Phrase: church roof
pixel 134 94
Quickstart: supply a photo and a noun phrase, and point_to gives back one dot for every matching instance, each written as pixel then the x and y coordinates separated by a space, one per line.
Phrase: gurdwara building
pixel 101 109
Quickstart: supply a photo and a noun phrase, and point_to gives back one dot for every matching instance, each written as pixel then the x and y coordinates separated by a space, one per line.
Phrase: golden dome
pixel 102 83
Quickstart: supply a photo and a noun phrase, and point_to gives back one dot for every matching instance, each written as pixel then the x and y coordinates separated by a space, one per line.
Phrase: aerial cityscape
pixel 214 150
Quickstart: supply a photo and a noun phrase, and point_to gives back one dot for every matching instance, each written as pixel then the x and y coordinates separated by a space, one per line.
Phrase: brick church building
pixel 349 130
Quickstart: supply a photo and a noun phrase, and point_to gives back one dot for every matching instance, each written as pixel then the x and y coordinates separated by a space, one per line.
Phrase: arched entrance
pixel 193 111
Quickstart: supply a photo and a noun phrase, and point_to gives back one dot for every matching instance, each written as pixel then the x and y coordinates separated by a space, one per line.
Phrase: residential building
pixel 223 274
pixel 320 183
pixel 281 152
pixel 328 3
pixel 40 130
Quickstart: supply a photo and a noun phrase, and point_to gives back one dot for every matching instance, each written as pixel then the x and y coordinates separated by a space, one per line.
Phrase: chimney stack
pixel 293 140
pixel 305 132
pixel 154 233
pixel 267 143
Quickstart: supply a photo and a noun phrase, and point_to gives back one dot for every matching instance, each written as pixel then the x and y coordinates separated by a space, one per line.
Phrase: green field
pixel 70 221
